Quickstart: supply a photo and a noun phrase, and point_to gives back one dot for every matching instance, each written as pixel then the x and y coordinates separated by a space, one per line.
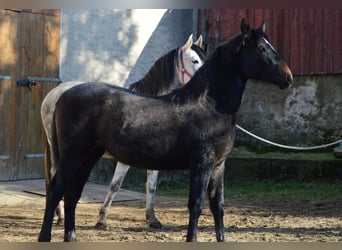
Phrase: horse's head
pixel 260 60
pixel 190 58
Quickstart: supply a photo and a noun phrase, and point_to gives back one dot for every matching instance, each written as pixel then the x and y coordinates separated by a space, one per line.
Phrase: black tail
pixel 47 162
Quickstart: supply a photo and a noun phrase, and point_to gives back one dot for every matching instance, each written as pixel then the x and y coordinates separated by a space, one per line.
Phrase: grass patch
pixel 259 190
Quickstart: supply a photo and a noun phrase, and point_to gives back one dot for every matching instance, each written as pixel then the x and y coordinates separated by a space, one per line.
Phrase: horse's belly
pixel 160 165
pixel 149 159
pixel 153 164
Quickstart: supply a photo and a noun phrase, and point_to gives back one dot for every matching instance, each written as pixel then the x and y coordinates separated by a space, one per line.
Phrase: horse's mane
pixel 160 77
pixel 214 69
pixel 200 52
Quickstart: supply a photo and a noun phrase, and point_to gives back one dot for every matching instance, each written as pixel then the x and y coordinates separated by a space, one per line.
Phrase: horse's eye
pixel 195 61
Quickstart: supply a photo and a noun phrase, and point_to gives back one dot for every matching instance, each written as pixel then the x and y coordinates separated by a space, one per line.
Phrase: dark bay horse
pixel 170 71
pixel 192 128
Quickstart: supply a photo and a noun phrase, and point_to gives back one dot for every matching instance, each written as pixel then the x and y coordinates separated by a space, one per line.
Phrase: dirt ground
pixel 245 221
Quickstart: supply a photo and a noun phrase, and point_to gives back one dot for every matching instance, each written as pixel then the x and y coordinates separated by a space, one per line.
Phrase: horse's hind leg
pixel 54 195
pixel 71 198
pixel 151 183
pixel 82 169
pixel 50 169
pixel 118 177
pixel 216 200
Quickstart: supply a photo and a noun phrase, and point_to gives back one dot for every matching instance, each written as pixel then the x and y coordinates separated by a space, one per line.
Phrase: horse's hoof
pixel 60 222
pixel 70 236
pixel 44 238
pixel 101 225
pixel 155 224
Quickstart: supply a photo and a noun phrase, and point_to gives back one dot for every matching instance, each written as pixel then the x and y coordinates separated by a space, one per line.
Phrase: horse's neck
pixel 228 93
pixel 226 85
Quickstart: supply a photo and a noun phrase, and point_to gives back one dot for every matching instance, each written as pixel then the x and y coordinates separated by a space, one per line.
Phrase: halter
pixel 182 69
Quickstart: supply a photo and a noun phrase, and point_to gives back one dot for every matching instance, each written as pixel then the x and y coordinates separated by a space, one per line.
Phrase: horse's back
pixel 116 118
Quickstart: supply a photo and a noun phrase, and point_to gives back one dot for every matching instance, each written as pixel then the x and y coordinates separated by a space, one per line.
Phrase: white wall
pixel 118 46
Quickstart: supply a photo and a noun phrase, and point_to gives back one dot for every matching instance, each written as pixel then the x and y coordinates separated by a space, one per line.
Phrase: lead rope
pixel 285 146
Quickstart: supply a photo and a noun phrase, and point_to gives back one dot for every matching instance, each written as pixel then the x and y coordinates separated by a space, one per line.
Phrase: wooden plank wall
pixel 29 46
pixel 308 39
pixel 8 65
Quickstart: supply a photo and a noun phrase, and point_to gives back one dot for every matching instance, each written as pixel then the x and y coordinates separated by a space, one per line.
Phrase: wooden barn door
pixel 29 48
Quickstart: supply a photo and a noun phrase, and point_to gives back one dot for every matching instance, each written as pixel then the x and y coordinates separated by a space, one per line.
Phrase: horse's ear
pixel 199 41
pixel 263 26
pixel 244 26
pixel 188 43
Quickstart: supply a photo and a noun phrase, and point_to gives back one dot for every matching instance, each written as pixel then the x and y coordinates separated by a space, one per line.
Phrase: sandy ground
pixel 245 221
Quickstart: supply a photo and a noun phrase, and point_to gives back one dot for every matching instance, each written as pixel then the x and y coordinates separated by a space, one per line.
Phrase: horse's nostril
pixel 286 70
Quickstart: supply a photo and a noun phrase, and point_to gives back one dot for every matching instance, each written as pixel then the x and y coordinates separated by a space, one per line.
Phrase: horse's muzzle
pixel 288 77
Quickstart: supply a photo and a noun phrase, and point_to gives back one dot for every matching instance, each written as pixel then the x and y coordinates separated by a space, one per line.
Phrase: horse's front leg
pixel 216 200
pixel 151 183
pixel 60 215
pixel 118 177
pixel 199 178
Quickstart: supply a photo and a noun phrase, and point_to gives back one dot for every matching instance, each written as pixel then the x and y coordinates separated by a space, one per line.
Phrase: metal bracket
pixel 45 79
pixel 31 156
pixel 5 77
pixel 4 157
